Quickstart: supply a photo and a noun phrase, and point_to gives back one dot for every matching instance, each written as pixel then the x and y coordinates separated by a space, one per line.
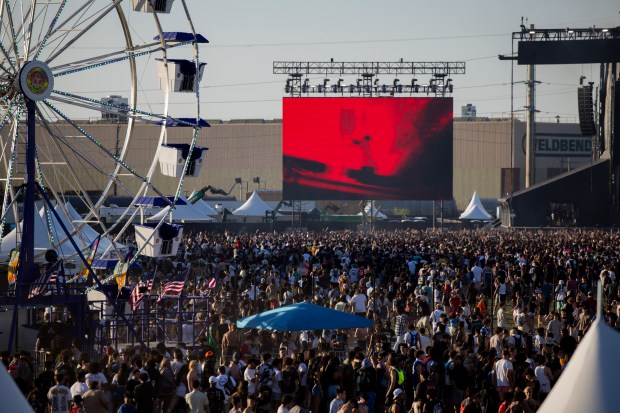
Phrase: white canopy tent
pixel 475 210
pixel 205 209
pixel 12 398
pixel 48 230
pixel 90 234
pixel 42 239
pixel 181 213
pixel 590 379
pixel 253 207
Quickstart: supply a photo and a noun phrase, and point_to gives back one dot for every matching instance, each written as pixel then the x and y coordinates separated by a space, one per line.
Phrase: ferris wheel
pixel 65 65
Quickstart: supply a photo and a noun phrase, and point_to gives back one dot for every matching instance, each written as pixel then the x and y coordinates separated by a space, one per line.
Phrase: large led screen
pixel 367 148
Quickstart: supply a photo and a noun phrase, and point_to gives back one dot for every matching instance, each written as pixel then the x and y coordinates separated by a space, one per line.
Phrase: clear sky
pixel 246 36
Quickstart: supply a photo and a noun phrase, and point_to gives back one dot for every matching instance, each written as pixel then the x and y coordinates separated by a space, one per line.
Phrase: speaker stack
pixel 586 110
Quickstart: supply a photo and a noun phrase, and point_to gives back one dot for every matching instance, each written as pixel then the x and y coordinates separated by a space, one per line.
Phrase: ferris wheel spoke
pixel 97 59
pixel 11 31
pixel 49 31
pixel 6 53
pixel 93 20
pixel 57 35
pixel 99 105
pixel 130 56
pixel 112 156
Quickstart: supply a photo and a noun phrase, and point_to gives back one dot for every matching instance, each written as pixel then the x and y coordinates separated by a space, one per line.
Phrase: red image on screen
pixel 367 148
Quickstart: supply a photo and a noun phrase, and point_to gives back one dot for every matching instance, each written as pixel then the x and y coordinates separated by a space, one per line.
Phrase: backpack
pixel 364 380
pixel 437 406
pixel 265 375
pixel 518 341
pixel 289 381
pixel 412 338
pixel 229 386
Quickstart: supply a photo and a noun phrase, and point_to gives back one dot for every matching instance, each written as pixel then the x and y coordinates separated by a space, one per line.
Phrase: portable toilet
pixel 183 75
pixel 146 6
pixel 172 157
pixel 163 242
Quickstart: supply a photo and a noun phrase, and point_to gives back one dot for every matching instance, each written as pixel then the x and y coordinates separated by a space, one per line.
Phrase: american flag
pixel 48 277
pixel 136 295
pixel 174 285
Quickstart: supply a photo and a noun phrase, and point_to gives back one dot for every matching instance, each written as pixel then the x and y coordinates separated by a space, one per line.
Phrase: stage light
pixel 306 86
pixel 605 30
pixel 287 88
pixel 384 88
pixel 351 88
pixel 340 89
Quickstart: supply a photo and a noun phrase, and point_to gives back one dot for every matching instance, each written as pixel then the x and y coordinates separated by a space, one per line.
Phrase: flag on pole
pixel 174 285
pixel 136 295
pixel 13 264
pixel 120 271
pixel 50 276
pixel 84 273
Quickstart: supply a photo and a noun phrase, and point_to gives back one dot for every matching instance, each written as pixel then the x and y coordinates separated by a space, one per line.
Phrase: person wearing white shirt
pixel 358 303
pixel 249 375
pixel 477 270
pixel 79 387
pixel 503 373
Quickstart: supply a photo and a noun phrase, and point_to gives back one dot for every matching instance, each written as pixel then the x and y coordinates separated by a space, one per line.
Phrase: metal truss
pixel 369 68
pixel 591 33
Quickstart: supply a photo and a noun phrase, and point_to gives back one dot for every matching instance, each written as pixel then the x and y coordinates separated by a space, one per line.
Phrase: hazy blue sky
pixel 246 36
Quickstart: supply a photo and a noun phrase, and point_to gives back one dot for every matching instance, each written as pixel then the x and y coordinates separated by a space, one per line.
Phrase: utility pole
pixel 530 138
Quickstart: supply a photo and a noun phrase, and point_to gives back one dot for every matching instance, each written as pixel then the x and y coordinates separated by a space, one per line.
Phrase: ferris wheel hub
pixel 35 80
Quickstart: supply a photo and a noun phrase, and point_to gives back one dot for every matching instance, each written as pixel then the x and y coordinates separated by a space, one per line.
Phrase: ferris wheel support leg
pixel 110 298
pixel 27 270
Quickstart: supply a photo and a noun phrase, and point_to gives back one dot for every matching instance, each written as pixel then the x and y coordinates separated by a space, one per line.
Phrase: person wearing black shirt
pixel 144 394
pixel 215 396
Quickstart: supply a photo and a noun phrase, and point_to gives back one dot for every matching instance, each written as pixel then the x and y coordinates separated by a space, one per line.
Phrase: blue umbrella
pixel 304 316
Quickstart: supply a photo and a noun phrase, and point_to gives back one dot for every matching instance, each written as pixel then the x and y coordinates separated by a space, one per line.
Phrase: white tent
pixel 590 380
pixel 205 209
pixel 12 398
pixel 374 212
pixel 42 241
pixel 47 230
pixel 89 233
pixel 253 207
pixel 181 213
pixel 475 210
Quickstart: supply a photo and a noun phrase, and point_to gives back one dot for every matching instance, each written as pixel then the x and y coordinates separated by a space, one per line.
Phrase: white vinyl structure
pixel 590 380
pixel 253 207
pixel 12 398
pixel 475 210
pixel 181 213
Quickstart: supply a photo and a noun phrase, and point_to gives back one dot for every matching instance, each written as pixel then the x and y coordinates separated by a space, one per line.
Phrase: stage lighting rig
pixel 367 83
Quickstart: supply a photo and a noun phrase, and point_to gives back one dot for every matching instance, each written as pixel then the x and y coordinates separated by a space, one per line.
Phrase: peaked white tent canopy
pixel 475 210
pixel 205 209
pixel 590 380
pixel 12 398
pixel 182 213
pixel 253 207
pixel 48 230
pixel 90 234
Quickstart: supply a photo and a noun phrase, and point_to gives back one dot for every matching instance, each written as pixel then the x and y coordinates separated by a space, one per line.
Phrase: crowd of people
pixel 464 321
